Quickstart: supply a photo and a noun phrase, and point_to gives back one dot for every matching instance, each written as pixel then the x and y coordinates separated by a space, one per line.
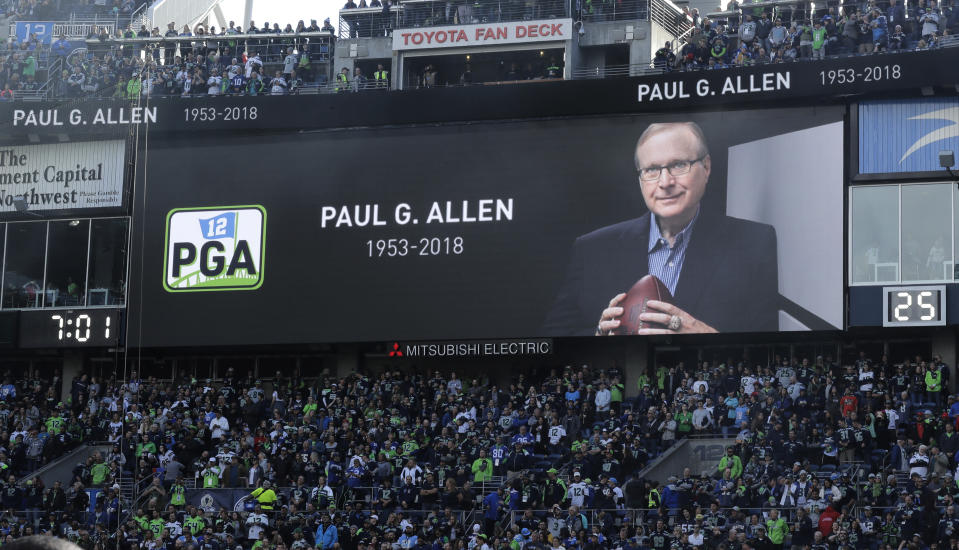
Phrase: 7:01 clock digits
pixel 426 246
pixel 78 328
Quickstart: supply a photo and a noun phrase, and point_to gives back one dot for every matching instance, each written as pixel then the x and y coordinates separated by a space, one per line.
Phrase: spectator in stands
pixel 777 36
pixel 818 46
pixel 278 85
pixel 664 58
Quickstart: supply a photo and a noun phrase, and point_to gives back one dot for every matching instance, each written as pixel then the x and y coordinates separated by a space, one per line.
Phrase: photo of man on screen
pixel 721 271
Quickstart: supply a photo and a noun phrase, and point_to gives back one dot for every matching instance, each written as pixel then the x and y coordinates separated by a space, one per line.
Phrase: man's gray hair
pixel 658 127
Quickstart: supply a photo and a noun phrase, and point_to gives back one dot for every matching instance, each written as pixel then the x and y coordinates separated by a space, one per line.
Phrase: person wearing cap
pixel 408 539
pixel 211 475
pixel 577 491
pixel 520 539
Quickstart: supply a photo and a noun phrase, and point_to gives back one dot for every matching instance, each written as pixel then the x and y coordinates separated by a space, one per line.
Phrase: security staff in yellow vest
pixel 264 496
pixel 343 80
pixel 553 70
pixel 381 77
pixel 654 497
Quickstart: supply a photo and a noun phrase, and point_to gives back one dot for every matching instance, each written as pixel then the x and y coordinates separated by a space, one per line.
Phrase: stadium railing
pixel 272 48
pixel 594 11
pixel 369 22
pixel 76 29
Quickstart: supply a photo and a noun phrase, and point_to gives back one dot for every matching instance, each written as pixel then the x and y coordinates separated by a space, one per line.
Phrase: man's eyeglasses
pixel 678 168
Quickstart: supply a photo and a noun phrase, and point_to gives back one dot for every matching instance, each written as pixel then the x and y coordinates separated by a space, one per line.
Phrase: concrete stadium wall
pixel 699 455
pixel 62 469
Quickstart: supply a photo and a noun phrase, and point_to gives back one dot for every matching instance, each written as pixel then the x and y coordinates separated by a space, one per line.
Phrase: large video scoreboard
pixel 512 212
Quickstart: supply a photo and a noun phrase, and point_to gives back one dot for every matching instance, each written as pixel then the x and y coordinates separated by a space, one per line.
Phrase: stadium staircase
pixel 61 469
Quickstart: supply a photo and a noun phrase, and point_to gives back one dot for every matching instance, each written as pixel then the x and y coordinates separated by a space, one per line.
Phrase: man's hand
pixel 662 313
pixel 608 320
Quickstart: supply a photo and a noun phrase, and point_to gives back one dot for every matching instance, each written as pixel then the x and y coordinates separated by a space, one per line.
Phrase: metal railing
pixel 182 12
pixel 426 13
pixel 613 10
pixel 647 69
pixel 75 29
pixel 637 516
pixel 672 19
pixel 271 47
pixel 369 22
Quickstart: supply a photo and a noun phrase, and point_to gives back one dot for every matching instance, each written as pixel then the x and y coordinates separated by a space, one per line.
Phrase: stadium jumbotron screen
pixel 495 230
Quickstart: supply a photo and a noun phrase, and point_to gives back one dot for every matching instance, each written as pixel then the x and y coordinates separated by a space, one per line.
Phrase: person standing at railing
pixel 664 58
pixel 342 80
pixel 169 46
pixel 381 77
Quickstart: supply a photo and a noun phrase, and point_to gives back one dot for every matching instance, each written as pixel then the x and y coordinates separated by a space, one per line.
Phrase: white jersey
pixel 556 434
pixel 576 494
pixel 785 374
pixel 256 523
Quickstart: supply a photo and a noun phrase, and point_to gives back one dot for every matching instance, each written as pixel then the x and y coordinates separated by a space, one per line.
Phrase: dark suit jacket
pixel 729 279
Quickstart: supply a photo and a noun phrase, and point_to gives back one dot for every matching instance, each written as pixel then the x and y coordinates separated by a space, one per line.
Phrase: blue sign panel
pixel 43 30
pixel 899 136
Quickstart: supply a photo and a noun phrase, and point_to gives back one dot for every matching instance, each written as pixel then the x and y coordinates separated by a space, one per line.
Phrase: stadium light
pixel 21 206
pixel 947 159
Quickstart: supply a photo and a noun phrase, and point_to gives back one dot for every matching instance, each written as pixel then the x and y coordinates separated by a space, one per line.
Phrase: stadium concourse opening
pixel 483 68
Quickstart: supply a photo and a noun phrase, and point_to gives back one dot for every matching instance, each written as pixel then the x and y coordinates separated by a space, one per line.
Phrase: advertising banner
pixel 42 29
pixel 61 177
pixel 518 230
pixel 486 34
pixel 924 127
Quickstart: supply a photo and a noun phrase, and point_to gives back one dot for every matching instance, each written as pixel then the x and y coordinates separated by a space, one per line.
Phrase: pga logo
pixel 217 248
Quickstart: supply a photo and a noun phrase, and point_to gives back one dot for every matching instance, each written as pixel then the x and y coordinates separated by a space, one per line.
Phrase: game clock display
pixel 914 306
pixel 69 328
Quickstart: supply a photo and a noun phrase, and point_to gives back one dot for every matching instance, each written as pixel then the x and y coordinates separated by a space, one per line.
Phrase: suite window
pixel 874 250
pixel 903 233
pixel 108 262
pixel 67 263
pixel 926 231
pixel 23 265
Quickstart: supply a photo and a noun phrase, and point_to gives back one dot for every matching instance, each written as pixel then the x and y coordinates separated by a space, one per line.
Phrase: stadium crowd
pixel 60 10
pixel 754 35
pixel 276 64
pixel 821 456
